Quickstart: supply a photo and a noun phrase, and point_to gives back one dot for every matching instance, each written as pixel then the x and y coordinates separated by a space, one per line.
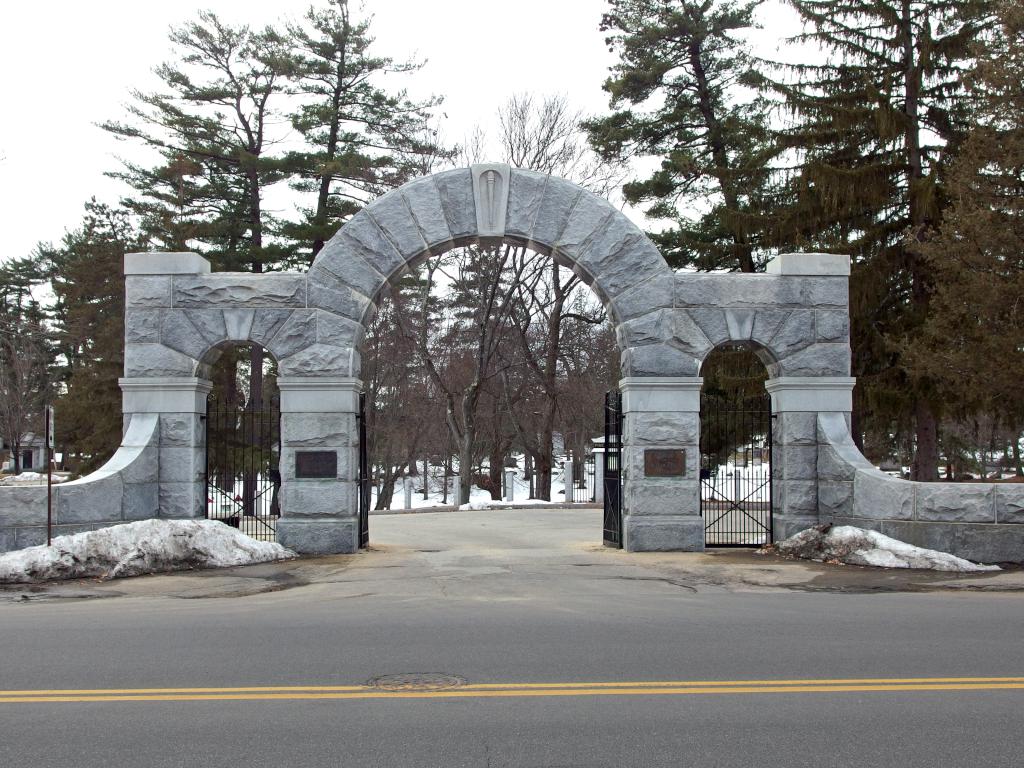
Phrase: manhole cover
pixel 416 682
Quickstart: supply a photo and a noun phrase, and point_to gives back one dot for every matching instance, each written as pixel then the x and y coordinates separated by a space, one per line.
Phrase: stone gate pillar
pixel 319 464
pixel 662 495
pixel 160 380
pixel 796 403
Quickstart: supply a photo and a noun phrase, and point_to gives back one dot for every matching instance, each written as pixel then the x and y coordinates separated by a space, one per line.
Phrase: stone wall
pixel 126 488
pixel 979 521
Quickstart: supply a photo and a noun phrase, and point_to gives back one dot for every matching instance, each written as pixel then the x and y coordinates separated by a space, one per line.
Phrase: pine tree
pixel 360 139
pixel 712 139
pixel 973 339
pixel 213 125
pixel 87 279
pixel 876 126
pixel 27 352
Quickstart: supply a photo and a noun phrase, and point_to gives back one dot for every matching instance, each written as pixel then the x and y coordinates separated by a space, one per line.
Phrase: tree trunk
pixel 447 473
pixel 743 249
pixel 386 487
pixel 331 152
pixel 925 467
pixel 465 465
pixel 494 471
pixel 544 464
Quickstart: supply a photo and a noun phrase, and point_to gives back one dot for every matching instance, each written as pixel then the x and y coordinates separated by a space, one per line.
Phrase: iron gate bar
pixel 736 431
pixel 736 507
pixel 613 420
pixel 364 476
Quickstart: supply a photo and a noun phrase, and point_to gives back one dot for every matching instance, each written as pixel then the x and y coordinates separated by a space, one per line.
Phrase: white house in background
pixel 33 454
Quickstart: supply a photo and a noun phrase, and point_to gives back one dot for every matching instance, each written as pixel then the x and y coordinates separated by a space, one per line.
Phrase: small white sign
pixel 49 426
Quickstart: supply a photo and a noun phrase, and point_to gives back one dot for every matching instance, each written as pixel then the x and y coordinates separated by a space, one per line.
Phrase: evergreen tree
pixel 876 125
pixel 973 339
pixel 360 139
pixel 213 125
pixel 714 181
pixel 27 356
pixel 87 278
pixel 217 114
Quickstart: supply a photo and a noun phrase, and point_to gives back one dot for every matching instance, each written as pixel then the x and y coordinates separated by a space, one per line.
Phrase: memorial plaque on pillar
pixel 661 462
pixel 316 464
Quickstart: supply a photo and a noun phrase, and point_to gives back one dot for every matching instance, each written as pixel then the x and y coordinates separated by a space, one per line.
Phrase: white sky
pixel 67 65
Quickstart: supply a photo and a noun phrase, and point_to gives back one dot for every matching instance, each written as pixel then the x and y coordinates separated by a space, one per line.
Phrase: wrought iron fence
pixel 583 481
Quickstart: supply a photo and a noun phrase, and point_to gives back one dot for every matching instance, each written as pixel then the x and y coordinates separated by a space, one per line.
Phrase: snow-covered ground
pixel 858 546
pixel 131 549
pixel 31 478
pixel 736 483
pixel 478 497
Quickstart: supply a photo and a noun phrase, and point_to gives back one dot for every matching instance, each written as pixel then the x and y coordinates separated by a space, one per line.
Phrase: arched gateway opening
pixel 314 326
pixel 243 440
pixel 512 209
pixel 736 448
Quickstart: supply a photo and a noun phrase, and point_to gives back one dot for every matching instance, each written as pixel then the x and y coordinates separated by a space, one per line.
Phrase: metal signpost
pixel 49 475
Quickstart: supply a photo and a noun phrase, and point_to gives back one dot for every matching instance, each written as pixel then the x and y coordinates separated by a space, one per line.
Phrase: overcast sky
pixel 67 65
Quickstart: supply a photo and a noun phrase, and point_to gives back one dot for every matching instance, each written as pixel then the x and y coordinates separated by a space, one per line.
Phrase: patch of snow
pixel 859 546
pixel 30 478
pixel 132 549
pixel 489 503
pixel 735 482
pixel 477 495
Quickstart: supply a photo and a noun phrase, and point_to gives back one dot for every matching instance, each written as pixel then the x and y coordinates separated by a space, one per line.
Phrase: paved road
pixel 572 655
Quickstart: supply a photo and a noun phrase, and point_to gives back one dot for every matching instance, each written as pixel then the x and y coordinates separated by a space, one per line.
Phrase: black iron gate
pixel 613 469
pixel 243 478
pixel 735 470
pixel 364 476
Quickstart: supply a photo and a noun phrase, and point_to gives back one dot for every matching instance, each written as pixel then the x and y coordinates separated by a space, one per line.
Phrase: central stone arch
pixel 487 204
pixel 490 204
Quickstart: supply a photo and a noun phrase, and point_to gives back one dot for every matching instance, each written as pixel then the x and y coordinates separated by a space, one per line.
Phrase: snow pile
pixel 857 546
pixel 490 503
pixel 30 478
pixel 147 546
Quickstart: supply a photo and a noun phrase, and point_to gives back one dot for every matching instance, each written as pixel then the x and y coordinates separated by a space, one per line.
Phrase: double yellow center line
pixel 515 690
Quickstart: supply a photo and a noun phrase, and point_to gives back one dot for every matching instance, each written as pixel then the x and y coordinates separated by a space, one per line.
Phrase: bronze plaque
pixel 316 464
pixel 661 462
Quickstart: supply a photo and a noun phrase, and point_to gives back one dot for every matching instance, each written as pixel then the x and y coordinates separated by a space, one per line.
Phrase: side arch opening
pixel 243 439
pixel 736 447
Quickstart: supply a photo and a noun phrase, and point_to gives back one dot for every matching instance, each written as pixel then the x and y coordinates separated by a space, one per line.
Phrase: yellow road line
pixel 509 692
pixel 253 689
pixel 727 683
pixel 517 686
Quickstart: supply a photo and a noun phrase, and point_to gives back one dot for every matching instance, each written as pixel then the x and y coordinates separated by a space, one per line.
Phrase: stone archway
pixel 313 323
pixel 486 204
pixel 176 311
